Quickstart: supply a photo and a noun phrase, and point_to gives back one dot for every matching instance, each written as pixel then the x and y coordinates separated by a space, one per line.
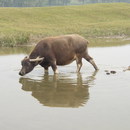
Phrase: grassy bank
pixel 29 25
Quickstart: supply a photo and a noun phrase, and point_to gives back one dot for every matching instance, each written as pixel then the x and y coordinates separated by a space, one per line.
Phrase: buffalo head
pixel 28 64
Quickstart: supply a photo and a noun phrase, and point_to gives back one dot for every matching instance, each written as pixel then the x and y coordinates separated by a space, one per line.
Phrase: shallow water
pixel 67 101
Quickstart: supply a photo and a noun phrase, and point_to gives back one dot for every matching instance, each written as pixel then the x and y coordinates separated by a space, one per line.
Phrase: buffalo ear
pixel 37 59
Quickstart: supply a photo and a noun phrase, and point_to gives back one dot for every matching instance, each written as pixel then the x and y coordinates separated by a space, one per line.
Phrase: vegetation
pixel 29 25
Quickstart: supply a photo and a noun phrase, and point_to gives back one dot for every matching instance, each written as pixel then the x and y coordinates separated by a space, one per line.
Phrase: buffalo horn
pixel 37 59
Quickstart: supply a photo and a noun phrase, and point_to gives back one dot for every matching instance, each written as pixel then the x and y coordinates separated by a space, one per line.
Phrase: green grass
pixel 28 25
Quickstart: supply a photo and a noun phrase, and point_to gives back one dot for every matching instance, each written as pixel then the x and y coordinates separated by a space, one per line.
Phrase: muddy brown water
pixel 67 101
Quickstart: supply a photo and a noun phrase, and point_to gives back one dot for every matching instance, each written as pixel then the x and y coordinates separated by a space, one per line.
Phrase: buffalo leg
pixel 54 67
pixel 91 61
pixel 79 63
pixel 46 69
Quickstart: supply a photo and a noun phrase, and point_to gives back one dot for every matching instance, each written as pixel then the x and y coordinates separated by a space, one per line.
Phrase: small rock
pixel 108 73
pixel 113 72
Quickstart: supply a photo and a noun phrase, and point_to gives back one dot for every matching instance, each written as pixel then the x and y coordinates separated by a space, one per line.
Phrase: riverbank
pixel 22 26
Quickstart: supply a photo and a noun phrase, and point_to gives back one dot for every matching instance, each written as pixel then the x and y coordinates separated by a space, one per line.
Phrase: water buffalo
pixel 60 50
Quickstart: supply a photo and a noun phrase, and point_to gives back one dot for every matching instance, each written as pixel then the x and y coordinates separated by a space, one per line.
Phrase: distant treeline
pixel 40 3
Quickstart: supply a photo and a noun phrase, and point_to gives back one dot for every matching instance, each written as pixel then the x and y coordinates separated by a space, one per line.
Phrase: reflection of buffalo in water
pixel 58 92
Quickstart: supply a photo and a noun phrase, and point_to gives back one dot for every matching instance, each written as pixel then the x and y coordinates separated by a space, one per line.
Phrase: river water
pixel 67 101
